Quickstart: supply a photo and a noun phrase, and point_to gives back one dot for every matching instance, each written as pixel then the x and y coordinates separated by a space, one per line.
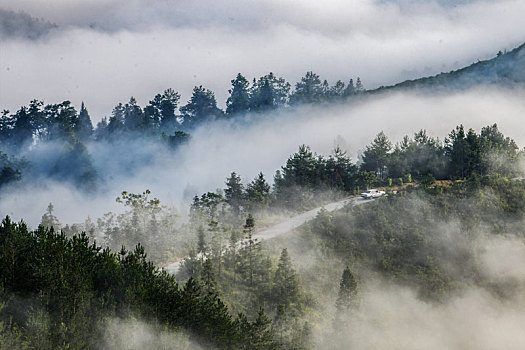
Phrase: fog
pixel 261 144
pixel 106 51
pixel 394 318
pixel 130 334
pixel 483 310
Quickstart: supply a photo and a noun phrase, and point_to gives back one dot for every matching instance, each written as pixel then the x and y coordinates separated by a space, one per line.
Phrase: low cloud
pixel 106 51
pixel 262 144
pixel 394 318
pixel 130 334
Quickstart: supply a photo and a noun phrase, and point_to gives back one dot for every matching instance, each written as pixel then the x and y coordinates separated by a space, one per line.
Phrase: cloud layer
pixel 264 144
pixel 105 51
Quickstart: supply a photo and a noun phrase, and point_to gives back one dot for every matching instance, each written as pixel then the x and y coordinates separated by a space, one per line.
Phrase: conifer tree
pixel 84 128
pixel 285 283
pixel 347 291
pixel 234 193
pixel 239 100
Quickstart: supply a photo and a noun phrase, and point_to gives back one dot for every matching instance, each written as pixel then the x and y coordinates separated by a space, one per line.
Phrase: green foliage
pixel 285 288
pixel 347 291
pixel 407 237
pixel 308 90
pixel 73 285
pixel 257 193
pixel 239 100
pixel 201 107
pixel 463 154
pixel 234 193
pixel 307 176
pixel 375 157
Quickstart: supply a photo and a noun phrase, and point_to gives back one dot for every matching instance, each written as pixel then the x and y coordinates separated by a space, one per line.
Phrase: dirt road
pixel 286 226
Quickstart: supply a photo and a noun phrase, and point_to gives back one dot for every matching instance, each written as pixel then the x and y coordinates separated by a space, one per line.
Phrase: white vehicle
pixel 372 194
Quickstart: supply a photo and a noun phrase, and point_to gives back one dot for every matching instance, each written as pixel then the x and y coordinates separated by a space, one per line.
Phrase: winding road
pixel 286 226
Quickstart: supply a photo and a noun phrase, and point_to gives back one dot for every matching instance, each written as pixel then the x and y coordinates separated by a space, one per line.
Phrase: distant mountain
pixel 506 69
pixel 21 25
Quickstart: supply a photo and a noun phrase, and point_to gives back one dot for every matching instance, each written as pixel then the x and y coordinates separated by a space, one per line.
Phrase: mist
pixel 106 51
pixel 392 317
pixel 443 267
pixel 129 334
pixel 260 143
pixel 483 309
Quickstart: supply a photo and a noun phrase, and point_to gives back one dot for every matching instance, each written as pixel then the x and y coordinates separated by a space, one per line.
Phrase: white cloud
pixel 107 51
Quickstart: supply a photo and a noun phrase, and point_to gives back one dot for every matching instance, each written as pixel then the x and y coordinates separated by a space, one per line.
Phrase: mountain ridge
pixel 506 69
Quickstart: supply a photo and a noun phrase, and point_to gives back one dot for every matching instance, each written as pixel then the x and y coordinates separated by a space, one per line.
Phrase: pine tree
pixel 376 156
pixel 84 128
pixel 285 288
pixel 257 192
pixel 346 297
pixel 208 277
pixel 308 90
pixel 261 333
pixel 239 100
pixel 200 108
pixel 49 220
pixel 234 193
pixel 201 241
pixel 359 88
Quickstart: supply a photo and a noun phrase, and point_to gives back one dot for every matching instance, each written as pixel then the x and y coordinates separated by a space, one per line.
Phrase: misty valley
pixel 195 226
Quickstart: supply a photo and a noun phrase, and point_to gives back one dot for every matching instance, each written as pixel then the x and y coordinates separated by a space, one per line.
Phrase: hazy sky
pixel 105 51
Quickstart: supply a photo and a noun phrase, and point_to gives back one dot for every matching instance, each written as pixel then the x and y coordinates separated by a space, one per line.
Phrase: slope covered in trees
pixel 506 69
pixel 57 291
pixel 72 285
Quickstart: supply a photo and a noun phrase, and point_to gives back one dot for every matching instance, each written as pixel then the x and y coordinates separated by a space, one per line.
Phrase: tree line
pixel 308 178
pixel 163 114
pixel 162 120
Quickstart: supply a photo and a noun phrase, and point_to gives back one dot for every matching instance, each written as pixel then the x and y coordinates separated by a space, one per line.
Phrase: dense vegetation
pixel 56 293
pixel 427 237
pixel 60 130
pixel 59 289
pixel 307 178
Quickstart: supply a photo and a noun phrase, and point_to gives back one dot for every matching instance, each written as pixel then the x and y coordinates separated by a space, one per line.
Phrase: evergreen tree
pixel 308 90
pixel 257 192
pixel 49 220
pixel 115 126
pixel 234 193
pixel 201 241
pixel 285 288
pixel 239 100
pixel 134 119
pixel 376 156
pixel 456 149
pixel 359 88
pixel 261 333
pixel 350 89
pixel 200 108
pixel 84 128
pixel 208 277
pixel 337 91
pixel 346 297
pixel 268 92
pixel 168 106
pixel 23 129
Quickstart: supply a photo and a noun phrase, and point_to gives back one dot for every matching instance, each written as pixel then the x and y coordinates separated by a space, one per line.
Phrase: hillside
pixel 506 69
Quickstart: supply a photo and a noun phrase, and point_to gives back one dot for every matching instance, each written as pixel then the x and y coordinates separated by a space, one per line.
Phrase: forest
pixel 454 208
pixel 67 286
pixel 37 128
pixel 190 175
